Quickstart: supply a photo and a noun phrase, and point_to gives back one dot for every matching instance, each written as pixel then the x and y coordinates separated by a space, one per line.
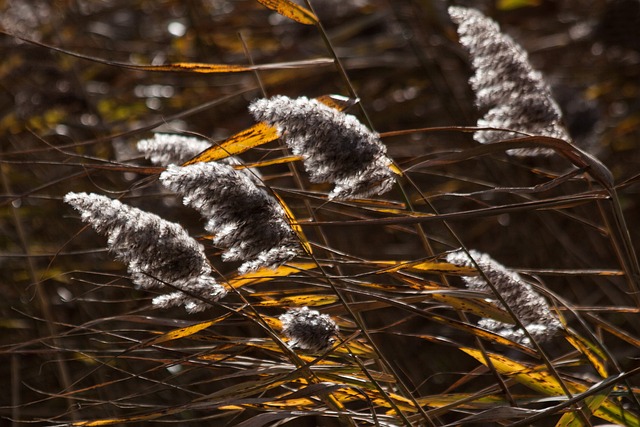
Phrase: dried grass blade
pixel 266 274
pixel 256 135
pixel 298 301
pixel 183 332
pixel 425 266
pixel 291 11
pixel 571 419
pixel 591 352
pixel 538 380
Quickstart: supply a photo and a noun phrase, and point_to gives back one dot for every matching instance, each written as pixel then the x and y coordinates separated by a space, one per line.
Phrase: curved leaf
pixel 291 11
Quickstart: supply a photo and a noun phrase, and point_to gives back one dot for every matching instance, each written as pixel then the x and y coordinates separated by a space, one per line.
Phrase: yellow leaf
pixel 476 306
pixel 432 267
pixel 540 380
pixel 299 300
pixel 291 11
pixel 572 419
pixel 195 67
pixel 591 352
pixel 616 414
pixel 182 332
pixel 265 274
pixel 258 134
pixel 462 401
pixel 280 160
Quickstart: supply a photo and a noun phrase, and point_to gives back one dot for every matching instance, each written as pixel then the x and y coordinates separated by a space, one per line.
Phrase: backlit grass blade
pixel 256 135
pixel 291 11
pixel 265 274
pixel 540 380
pixel 183 332
pixel 426 266
pixel 298 301
pixel 591 352
pixel 572 419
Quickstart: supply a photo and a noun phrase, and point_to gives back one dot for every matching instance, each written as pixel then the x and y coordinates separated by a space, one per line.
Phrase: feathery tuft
pixel 244 218
pixel 335 146
pixel 155 250
pixel 168 148
pixel 308 329
pixel 516 96
pixel 532 310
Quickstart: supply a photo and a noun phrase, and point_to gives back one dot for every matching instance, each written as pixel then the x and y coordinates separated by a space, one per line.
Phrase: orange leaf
pixel 265 274
pixel 258 134
pixel 291 11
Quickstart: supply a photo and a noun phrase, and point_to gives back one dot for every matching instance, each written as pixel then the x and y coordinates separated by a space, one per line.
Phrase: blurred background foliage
pixel 403 61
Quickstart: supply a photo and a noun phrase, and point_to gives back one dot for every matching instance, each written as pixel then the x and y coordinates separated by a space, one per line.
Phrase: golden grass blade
pixel 572 419
pixel 280 160
pixel 266 274
pixel 425 266
pixel 298 301
pixel 591 352
pixel 256 135
pixel 291 11
pixel 183 332
pixel 540 380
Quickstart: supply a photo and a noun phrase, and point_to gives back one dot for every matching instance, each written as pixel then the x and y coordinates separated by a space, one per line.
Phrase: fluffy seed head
pixel 515 95
pixel 167 148
pixel 308 329
pixel 335 146
pixel 155 250
pixel 243 217
pixel 531 308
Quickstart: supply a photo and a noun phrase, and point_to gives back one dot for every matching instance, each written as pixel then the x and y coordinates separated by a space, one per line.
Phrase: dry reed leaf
pixel 291 11
pixel 183 332
pixel 592 403
pixel 591 352
pixel 298 301
pixel 278 161
pixel 256 135
pixel 539 379
pixel 265 274
pixel 425 266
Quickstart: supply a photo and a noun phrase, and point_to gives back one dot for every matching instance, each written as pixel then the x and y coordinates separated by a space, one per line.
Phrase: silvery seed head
pixel 155 250
pixel 308 329
pixel 515 95
pixel 531 308
pixel 245 220
pixel 167 148
pixel 335 146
